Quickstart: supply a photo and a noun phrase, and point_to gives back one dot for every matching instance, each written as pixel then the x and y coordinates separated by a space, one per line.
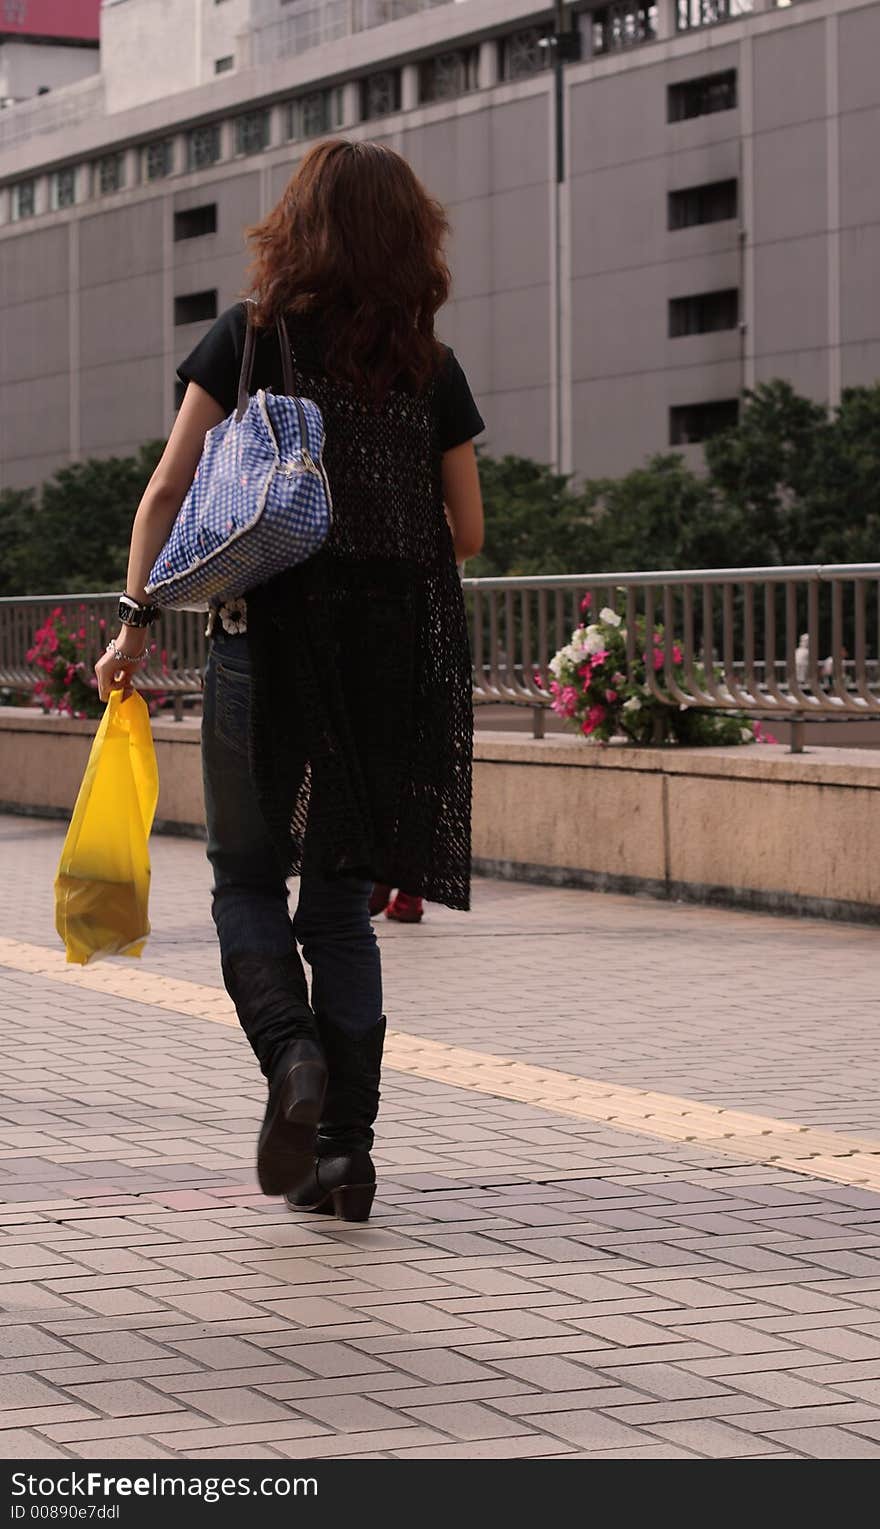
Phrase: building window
pixel 707 13
pixel 449 75
pixel 311 115
pixel 223 65
pixel 203 146
pixel 623 25
pixel 713 203
pixel 705 313
pixel 523 53
pixel 702 97
pixel 194 222
pixel 251 132
pixel 157 159
pixel 195 307
pixel 380 94
pixel 62 188
pixel 24 200
pixel 110 173
pixel 694 422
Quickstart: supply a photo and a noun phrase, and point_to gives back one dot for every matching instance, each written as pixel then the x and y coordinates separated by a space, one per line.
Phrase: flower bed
pixel 64 655
pixel 596 689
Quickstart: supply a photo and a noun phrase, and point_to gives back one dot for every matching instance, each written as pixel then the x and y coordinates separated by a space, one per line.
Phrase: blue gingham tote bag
pixel 260 501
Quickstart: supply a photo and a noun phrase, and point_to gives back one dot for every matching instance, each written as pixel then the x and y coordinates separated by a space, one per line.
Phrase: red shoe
pixel 406 909
pixel 379 899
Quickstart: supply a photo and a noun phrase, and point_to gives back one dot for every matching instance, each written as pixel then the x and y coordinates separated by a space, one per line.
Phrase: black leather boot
pixel 342 1179
pixel 270 996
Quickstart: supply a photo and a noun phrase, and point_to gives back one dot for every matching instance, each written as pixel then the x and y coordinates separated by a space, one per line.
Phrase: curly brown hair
pixel 356 237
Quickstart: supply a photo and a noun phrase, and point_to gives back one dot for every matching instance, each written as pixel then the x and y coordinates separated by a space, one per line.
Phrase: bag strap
pixel 247 363
pixel 247 359
pixel 286 355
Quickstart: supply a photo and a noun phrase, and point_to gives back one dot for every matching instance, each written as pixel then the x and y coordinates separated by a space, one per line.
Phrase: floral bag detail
pixel 259 502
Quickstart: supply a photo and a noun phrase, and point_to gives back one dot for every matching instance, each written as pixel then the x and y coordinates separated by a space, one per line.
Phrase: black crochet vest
pixel 362 722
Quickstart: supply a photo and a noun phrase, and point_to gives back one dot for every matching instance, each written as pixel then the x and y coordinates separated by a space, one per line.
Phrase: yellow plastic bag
pixel 103 882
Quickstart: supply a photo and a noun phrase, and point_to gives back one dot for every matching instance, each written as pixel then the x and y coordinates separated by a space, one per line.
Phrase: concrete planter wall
pixel 753 826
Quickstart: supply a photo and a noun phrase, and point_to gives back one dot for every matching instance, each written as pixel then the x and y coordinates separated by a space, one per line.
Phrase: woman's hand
pixel 115 674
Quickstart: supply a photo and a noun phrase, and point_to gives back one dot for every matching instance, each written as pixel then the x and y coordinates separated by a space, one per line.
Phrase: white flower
pixel 747 735
pixel 610 616
pixel 555 665
pixel 633 704
pixel 594 642
pixel 233 616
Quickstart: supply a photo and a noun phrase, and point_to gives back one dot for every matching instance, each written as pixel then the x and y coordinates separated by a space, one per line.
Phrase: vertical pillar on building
pixel 277 132
pixel 487 68
pixel 747 211
pixel 351 103
pixel 832 159
pixel 667 14
pixel 227 138
pixel 73 344
pixel 409 87
pixel 131 168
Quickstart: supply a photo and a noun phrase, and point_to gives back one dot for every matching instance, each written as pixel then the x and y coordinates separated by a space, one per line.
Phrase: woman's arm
pixel 463 500
pixel 155 516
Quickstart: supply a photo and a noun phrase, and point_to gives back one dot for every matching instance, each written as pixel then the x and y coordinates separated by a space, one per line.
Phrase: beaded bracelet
pixel 125 658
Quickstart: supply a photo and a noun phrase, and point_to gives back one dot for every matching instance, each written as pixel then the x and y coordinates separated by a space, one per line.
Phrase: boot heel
pixel 304 1093
pixel 353 1201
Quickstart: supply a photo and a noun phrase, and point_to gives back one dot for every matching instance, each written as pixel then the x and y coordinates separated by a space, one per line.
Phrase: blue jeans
pixel 250 905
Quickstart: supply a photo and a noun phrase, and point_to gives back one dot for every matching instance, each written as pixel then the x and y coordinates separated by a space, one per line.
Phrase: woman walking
pixel 337 725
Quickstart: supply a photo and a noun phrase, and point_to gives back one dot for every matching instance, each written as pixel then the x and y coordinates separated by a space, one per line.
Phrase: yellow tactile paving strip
pixel 662 1117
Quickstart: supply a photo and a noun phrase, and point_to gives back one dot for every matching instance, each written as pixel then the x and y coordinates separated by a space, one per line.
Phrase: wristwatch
pixel 133 613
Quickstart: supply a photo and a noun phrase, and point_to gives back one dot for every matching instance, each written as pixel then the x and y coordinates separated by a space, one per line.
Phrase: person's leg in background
pixel 406 908
pixel 261 965
pixel 333 926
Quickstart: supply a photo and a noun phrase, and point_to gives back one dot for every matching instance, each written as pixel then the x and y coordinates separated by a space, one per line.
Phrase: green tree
pixel 84 521
pixel 535 521
pixel 659 516
pixel 17 511
pixel 766 473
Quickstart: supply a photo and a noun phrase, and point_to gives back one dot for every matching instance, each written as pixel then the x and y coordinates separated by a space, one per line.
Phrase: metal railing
pixel 737 633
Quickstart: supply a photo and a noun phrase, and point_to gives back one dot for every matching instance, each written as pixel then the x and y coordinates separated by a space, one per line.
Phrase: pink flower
pixel 586 602
pixel 611 696
pixel 565 703
pixel 56 615
pixel 535 677
pixel 101 624
pixel 82 607
pixel 677 655
pixel 658 658
pixel 81 633
pixel 618 679
pixel 595 716
pixel 585 671
pixel 599 658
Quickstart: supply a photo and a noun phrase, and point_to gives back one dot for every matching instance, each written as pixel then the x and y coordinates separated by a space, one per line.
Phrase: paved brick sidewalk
pixel 530 1285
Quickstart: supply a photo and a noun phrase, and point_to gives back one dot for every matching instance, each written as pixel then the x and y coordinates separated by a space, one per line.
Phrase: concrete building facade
pixel 718 224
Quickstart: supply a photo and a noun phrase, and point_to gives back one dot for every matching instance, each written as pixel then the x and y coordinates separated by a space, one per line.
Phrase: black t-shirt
pixel 215 364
